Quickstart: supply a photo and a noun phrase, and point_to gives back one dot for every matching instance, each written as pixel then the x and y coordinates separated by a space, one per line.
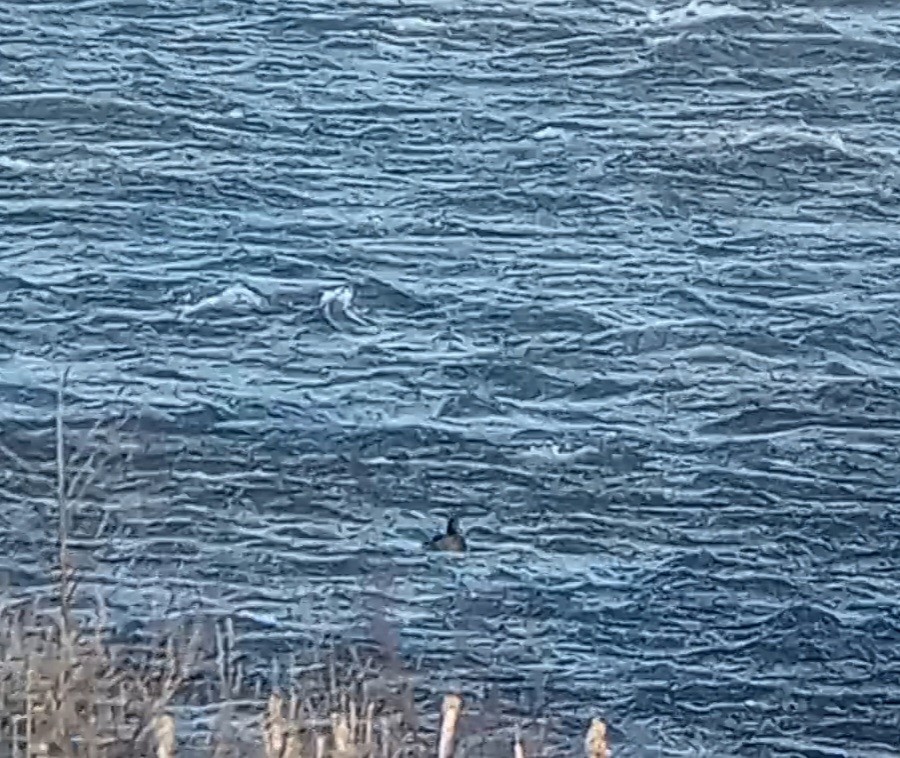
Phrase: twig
pixel 62 507
pixel 29 712
pixel 8 452
pixel 370 718
pixel 170 682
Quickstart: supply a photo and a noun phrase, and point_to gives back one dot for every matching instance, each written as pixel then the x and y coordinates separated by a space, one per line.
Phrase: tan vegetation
pixel 68 689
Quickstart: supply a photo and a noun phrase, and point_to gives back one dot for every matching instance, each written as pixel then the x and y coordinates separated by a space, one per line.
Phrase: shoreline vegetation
pixel 68 688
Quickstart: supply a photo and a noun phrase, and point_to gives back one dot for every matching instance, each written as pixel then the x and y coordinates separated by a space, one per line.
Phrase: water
pixel 614 281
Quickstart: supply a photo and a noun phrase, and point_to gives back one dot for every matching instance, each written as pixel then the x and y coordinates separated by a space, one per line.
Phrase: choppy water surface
pixel 615 281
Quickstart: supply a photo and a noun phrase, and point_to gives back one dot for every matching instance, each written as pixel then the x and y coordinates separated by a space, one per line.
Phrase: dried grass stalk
pixel 341 733
pixel 369 724
pixel 595 745
pixel 273 727
pixel 66 589
pixel 449 719
pixel 291 746
pixel 518 747
pixel 164 730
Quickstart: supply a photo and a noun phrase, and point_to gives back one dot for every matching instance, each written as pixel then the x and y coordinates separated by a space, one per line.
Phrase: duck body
pixel 451 541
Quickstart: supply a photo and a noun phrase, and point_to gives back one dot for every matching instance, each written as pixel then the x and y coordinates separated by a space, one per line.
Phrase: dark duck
pixel 452 541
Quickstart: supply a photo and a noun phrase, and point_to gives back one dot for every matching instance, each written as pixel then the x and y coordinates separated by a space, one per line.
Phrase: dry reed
pixel 164 731
pixel 595 745
pixel 518 747
pixel 450 718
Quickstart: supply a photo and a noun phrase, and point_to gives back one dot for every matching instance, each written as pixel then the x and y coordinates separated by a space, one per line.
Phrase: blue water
pixel 616 282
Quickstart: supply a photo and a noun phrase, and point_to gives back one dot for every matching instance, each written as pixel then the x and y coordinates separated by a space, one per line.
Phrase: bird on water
pixel 452 541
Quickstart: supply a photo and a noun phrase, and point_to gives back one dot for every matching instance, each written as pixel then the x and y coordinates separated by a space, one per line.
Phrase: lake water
pixel 615 282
